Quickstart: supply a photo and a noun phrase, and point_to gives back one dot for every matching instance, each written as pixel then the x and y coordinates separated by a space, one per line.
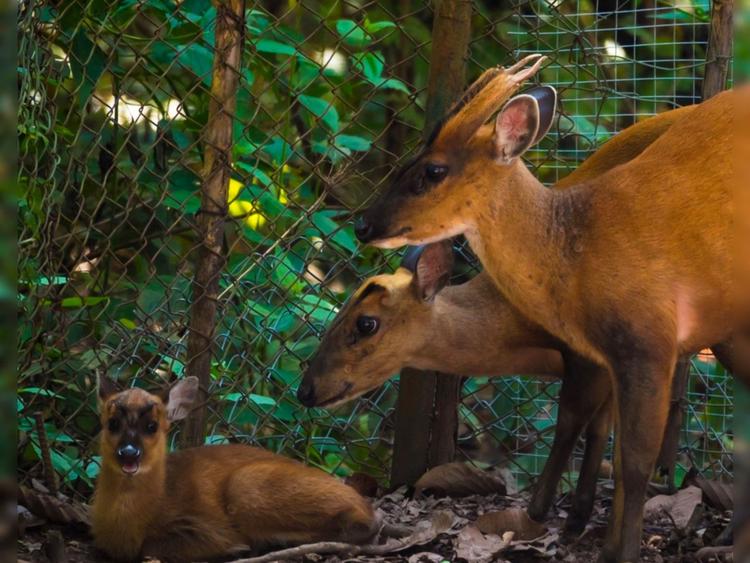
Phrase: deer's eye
pixel 367 326
pixel 114 425
pixel 435 172
pixel 152 427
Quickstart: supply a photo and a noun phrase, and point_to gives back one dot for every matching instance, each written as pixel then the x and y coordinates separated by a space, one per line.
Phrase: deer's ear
pixel 433 269
pixel 106 387
pixel 516 127
pixel 546 97
pixel 182 397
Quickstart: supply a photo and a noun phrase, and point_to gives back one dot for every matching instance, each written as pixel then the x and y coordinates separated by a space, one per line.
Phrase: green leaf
pixel 589 130
pixel 248 78
pixel 334 231
pixel 127 323
pixel 257 22
pixel 40 391
pixel 352 33
pixel 375 27
pixel 371 66
pixel 78 302
pixel 87 62
pixel 353 142
pixel 673 15
pixel 284 272
pixel 322 109
pixel 185 198
pixel 393 84
pixel 262 400
pixel 199 60
pixel 274 47
pixel 54 280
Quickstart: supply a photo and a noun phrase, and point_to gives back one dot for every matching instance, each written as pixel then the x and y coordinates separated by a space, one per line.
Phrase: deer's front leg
pixel 642 393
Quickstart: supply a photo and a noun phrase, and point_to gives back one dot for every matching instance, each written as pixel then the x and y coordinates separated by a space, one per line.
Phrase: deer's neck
pixel 528 239
pixel 126 507
pixel 474 331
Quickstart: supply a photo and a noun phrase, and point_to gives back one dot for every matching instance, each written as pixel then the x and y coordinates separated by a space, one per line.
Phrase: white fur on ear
pixel 516 127
pixel 182 397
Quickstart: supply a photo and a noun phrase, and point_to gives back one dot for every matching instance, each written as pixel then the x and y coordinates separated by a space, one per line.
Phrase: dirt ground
pixel 663 541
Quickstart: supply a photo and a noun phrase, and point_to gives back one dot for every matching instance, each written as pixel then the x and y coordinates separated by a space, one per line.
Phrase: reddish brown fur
pixel 210 501
pixel 471 329
pixel 622 275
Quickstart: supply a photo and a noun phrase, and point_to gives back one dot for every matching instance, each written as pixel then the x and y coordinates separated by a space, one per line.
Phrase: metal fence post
pixel 427 409
pixel 217 167
pixel 718 55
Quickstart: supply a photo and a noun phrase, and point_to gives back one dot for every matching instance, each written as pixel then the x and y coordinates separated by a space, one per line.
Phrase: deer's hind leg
pixel 273 503
pixel 585 389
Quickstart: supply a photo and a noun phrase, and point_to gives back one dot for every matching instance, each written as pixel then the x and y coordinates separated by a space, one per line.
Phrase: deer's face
pixel 371 339
pixel 382 329
pixel 462 169
pixel 134 427
pixel 135 423
pixel 434 197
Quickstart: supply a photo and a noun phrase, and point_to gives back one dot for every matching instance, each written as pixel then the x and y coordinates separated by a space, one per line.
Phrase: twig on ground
pixel 322 548
pixel 396 530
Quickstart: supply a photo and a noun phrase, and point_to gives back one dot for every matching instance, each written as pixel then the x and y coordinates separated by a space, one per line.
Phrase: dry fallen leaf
pixel 680 506
pixel 425 531
pixel 60 510
pixel 459 480
pixel 714 554
pixel 476 547
pixel 514 520
pixel 719 495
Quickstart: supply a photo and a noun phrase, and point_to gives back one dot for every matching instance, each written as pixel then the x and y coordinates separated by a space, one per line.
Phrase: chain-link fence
pixel 114 105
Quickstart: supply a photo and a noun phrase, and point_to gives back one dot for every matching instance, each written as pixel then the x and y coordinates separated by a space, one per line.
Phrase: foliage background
pixel 113 102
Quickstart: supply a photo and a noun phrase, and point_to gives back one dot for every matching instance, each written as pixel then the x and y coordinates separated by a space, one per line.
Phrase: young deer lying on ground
pixel 407 319
pixel 615 267
pixel 209 501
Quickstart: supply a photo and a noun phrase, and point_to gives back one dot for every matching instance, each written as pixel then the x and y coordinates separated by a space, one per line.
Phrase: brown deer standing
pixel 615 267
pixel 210 501
pixel 406 319
pixel 399 320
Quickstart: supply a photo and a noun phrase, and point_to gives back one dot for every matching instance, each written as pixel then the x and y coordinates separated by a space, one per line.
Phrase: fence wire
pixel 113 106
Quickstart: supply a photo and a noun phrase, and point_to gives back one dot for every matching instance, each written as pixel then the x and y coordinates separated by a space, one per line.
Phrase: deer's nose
pixel 363 229
pixel 128 451
pixel 306 393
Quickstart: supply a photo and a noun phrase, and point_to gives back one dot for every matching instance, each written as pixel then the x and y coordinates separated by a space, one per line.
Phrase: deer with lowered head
pixel 629 269
pixel 209 501
pixel 407 319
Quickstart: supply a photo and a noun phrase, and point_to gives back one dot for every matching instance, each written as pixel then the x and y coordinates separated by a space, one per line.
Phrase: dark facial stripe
pixel 344 312
pixel 143 411
pixel 467 96
pixel 372 288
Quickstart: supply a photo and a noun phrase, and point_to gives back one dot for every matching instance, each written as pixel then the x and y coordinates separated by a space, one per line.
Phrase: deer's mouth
pixel 337 397
pixel 129 458
pixel 396 240
pixel 130 467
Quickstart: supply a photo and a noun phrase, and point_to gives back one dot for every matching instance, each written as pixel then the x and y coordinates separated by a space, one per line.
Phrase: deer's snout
pixel 364 229
pixel 128 452
pixel 306 392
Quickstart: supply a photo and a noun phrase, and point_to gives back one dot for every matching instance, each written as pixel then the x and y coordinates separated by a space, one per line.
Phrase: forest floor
pixel 448 529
